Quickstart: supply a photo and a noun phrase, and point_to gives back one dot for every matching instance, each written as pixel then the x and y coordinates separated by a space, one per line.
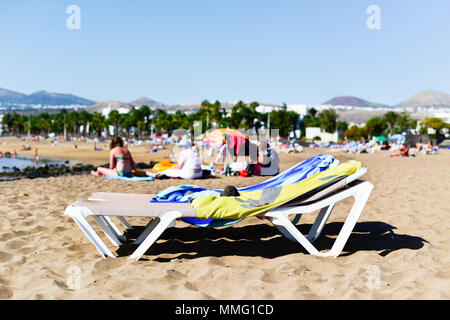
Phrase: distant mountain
pixel 353 101
pixel 42 98
pixel 8 96
pixel 49 98
pixel 426 99
pixel 144 101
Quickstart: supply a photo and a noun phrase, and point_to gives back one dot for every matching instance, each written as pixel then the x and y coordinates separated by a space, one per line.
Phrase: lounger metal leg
pixel 125 223
pixel 80 219
pixel 296 218
pixel 281 221
pixel 320 222
pixel 166 220
pixel 361 196
pixel 290 231
pixel 114 227
pixel 108 230
pixel 148 229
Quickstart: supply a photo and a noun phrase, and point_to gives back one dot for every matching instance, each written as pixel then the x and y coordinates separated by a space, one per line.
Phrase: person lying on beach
pixel 25 148
pixel 188 166
pixel 95 147
pixel 402 152
pixel 121 162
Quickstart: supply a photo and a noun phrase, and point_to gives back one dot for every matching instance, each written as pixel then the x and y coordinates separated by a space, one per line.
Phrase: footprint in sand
pixel 39 229
pixel 173 275
pixel 26 250
pixel 15 244
pixel 6 236
pixel 29 222
pixel 109 264
pixel 5 257
pixel 188 285
pixel 75 247
pixel 269 277
pixel 58 229
pixel 5 292
pixel 216 261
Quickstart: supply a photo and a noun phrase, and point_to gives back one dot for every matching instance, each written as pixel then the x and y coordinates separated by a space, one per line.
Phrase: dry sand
pixel 398 250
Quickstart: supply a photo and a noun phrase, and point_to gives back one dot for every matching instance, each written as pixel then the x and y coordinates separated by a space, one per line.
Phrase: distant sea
pixel 7 164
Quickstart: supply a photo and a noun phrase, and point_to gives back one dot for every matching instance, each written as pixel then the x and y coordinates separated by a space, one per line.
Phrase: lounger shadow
pixel 264 241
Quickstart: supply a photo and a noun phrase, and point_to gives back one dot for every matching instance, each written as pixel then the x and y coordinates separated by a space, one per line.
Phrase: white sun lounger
pixel 102 206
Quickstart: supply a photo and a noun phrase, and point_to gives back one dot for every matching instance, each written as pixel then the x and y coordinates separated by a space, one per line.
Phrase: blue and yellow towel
pixel 252 203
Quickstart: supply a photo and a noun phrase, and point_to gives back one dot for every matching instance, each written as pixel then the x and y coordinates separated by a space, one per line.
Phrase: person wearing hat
pixel 188 166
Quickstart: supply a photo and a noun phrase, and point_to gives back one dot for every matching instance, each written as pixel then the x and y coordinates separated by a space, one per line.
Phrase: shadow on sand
pixel 265 241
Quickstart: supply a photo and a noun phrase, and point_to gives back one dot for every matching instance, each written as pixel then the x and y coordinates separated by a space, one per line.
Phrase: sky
pixel 182 52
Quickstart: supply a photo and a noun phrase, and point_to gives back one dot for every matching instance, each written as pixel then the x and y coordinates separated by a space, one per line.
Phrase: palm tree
pixel 312 112
pixel 85 118
pixel 145 113
pixel 98 122
pixel 62 118
pixel 44 122
pixel 8 121
pixel 405 122
pixel 391 119
pixel 74 120
pixel 328 120
pixel 114 119
pixel 126 121
pixel 18 122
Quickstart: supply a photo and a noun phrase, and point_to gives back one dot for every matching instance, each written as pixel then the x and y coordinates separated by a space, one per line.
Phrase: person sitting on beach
pixel 428 149
pixel 268 161
pixel 419 146
pixel 121 162
pixel 271 167
pixel 384 146
pixel 188 166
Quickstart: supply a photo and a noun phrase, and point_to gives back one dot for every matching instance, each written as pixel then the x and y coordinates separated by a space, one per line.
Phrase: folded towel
pixel 130 178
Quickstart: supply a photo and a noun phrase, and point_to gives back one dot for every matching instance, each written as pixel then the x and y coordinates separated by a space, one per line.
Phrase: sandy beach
pixel 398 249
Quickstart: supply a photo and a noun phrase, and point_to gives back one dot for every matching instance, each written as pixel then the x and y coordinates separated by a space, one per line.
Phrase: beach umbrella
pixel 381 138
pixel 397 137
pixel 216 137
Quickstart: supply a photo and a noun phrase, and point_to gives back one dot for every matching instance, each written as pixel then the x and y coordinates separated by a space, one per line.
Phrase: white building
pixel 312 132
pixel 108 109
pixel 301 109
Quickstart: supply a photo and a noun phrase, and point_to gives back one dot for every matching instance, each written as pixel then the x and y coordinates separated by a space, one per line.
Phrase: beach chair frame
pixel 360 190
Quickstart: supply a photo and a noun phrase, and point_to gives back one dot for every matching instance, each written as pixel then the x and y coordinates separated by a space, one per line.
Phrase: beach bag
pixel 243 173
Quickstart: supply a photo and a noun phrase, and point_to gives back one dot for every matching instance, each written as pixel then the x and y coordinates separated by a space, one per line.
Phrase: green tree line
pixel 139 121
pixel 392 123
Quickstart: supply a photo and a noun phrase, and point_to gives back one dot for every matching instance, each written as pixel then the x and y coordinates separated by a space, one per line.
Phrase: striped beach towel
pixel 299 172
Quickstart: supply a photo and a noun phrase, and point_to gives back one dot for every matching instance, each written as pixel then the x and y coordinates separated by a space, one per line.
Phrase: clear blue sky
pixel 179 51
